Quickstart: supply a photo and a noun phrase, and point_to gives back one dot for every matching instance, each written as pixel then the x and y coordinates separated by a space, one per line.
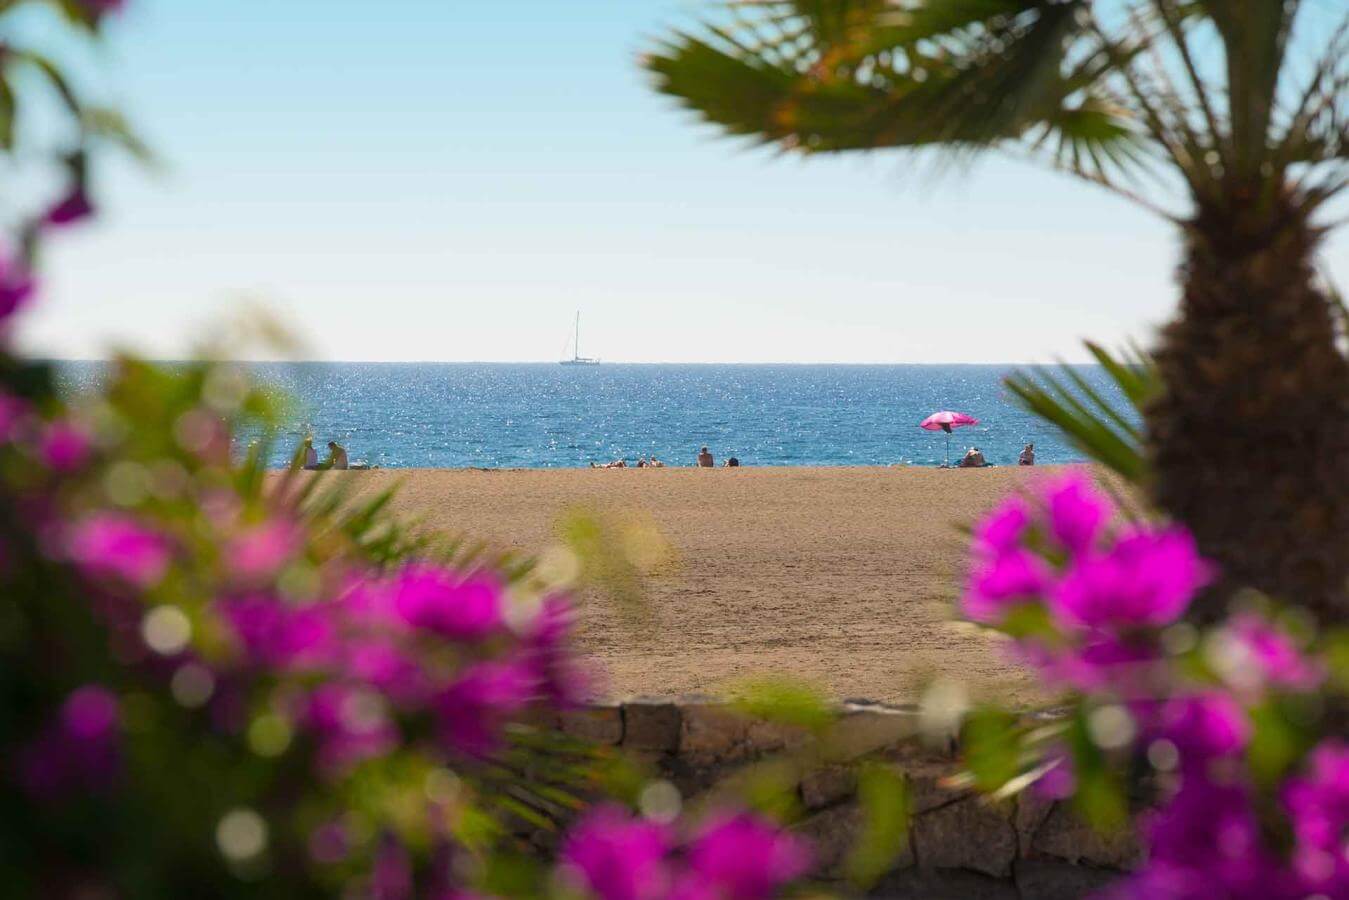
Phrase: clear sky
pixel 452 180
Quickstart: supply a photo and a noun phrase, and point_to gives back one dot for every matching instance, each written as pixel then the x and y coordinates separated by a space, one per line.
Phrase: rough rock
pixel 1067 837
pixel 651 726
pixel 968 834
pixel 600 724
pixel 921 884
pixel 1038 879
pixel 827 785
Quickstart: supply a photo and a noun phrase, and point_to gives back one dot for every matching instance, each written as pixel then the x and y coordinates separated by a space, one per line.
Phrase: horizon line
pixel 545 362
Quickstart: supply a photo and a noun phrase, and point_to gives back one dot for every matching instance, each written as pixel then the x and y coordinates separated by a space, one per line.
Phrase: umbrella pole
pixel 948 449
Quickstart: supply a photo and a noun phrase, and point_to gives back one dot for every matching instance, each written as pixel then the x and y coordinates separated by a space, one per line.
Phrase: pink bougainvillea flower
pixel 391 878
pixel 16 287
pixel 64 446
pixel 1318 802
pixel 262 551
pixel 1147 579
pixel 445 602
pixel 563 678
pixel 746 857
pixel 116 545
pixel 1077 512
pixel 472 710
pixel 275 633
pixel 1203 727
pixel 79 752
pixel 1002 530
pixel 350 723
pixel 618 857
pixel 1103 661
pixel 388 667
pixel 1272 652
pixel 71 208
pixel 13 411
pixel 998 584
pixel 1206 842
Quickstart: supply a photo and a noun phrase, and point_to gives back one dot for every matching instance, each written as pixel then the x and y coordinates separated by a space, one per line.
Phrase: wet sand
pixel 845 577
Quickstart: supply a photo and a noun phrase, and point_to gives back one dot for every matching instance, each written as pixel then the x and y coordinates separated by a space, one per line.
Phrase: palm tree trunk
pixel 1250 440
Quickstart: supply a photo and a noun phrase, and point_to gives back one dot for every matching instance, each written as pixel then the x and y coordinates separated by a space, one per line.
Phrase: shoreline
pixel 845 577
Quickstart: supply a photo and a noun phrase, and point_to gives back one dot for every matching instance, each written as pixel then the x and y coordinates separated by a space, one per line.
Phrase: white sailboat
pixel 576 358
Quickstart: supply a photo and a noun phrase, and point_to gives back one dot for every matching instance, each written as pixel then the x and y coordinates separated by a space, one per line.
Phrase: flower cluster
pixel 1096 604
pixel 259 624
pixel 613 856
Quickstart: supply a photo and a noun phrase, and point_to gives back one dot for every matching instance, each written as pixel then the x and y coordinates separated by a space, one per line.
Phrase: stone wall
pixel 959 845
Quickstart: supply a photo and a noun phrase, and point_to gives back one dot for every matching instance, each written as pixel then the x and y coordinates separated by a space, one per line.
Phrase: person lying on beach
pixel 337 456
pixel 705 460
pixel 616 464
pixel 1027 457
pixel 732 463
pixel 973 459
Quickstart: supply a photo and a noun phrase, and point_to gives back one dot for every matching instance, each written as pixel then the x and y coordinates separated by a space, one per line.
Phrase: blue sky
pixel 451 180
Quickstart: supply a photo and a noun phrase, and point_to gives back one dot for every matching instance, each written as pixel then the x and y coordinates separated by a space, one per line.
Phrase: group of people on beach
pixel 337 456
pixel 705 461
pixel 974 458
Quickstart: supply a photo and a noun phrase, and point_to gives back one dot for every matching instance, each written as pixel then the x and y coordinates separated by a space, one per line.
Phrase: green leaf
pixel 785 701
pixel 883 795
pixel 992 747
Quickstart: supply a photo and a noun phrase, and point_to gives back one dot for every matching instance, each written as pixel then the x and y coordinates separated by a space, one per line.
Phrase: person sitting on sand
pixel 705 460
pixel 1027 457
pixel 732 463
pixel 311 456
pixel 973 459
pixel 654 463
pixel 337 456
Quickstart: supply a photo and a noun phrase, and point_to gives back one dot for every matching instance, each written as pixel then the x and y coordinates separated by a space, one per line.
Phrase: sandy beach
pixel 846 577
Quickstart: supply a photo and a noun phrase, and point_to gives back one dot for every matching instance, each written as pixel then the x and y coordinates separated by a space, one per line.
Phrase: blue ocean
pixel 542 415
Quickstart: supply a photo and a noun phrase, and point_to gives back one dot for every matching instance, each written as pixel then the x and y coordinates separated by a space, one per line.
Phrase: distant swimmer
pixel 337 456
pixel 705 459
pixel 1027 457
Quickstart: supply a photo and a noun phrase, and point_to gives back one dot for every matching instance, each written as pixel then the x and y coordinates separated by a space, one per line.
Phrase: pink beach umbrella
pixel 945 421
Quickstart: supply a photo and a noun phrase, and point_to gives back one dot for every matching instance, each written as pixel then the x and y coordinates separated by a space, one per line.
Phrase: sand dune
pixel 844 576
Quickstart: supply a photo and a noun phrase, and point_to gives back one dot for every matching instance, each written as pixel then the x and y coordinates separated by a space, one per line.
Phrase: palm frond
pixel 1108 434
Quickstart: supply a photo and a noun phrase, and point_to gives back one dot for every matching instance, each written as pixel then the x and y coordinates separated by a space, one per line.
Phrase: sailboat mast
pixel 576 343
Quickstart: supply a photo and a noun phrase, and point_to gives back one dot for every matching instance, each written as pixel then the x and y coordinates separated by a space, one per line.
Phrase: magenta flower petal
pixel 16 287
pixel 1273 653
pixel 118 546
pixel 1078 512
pixel 1002 530
pixel 619 857
pixel 747 857
pixel 1204 727
pixel 472 710
pixel 72 208
pixel 444 602
pixel 275 633
pixel 1147 579
pixel 64 446
pixel 262 551
pixel 1005 581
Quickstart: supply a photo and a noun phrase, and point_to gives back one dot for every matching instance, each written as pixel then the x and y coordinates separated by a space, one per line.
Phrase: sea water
pixel 543 415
